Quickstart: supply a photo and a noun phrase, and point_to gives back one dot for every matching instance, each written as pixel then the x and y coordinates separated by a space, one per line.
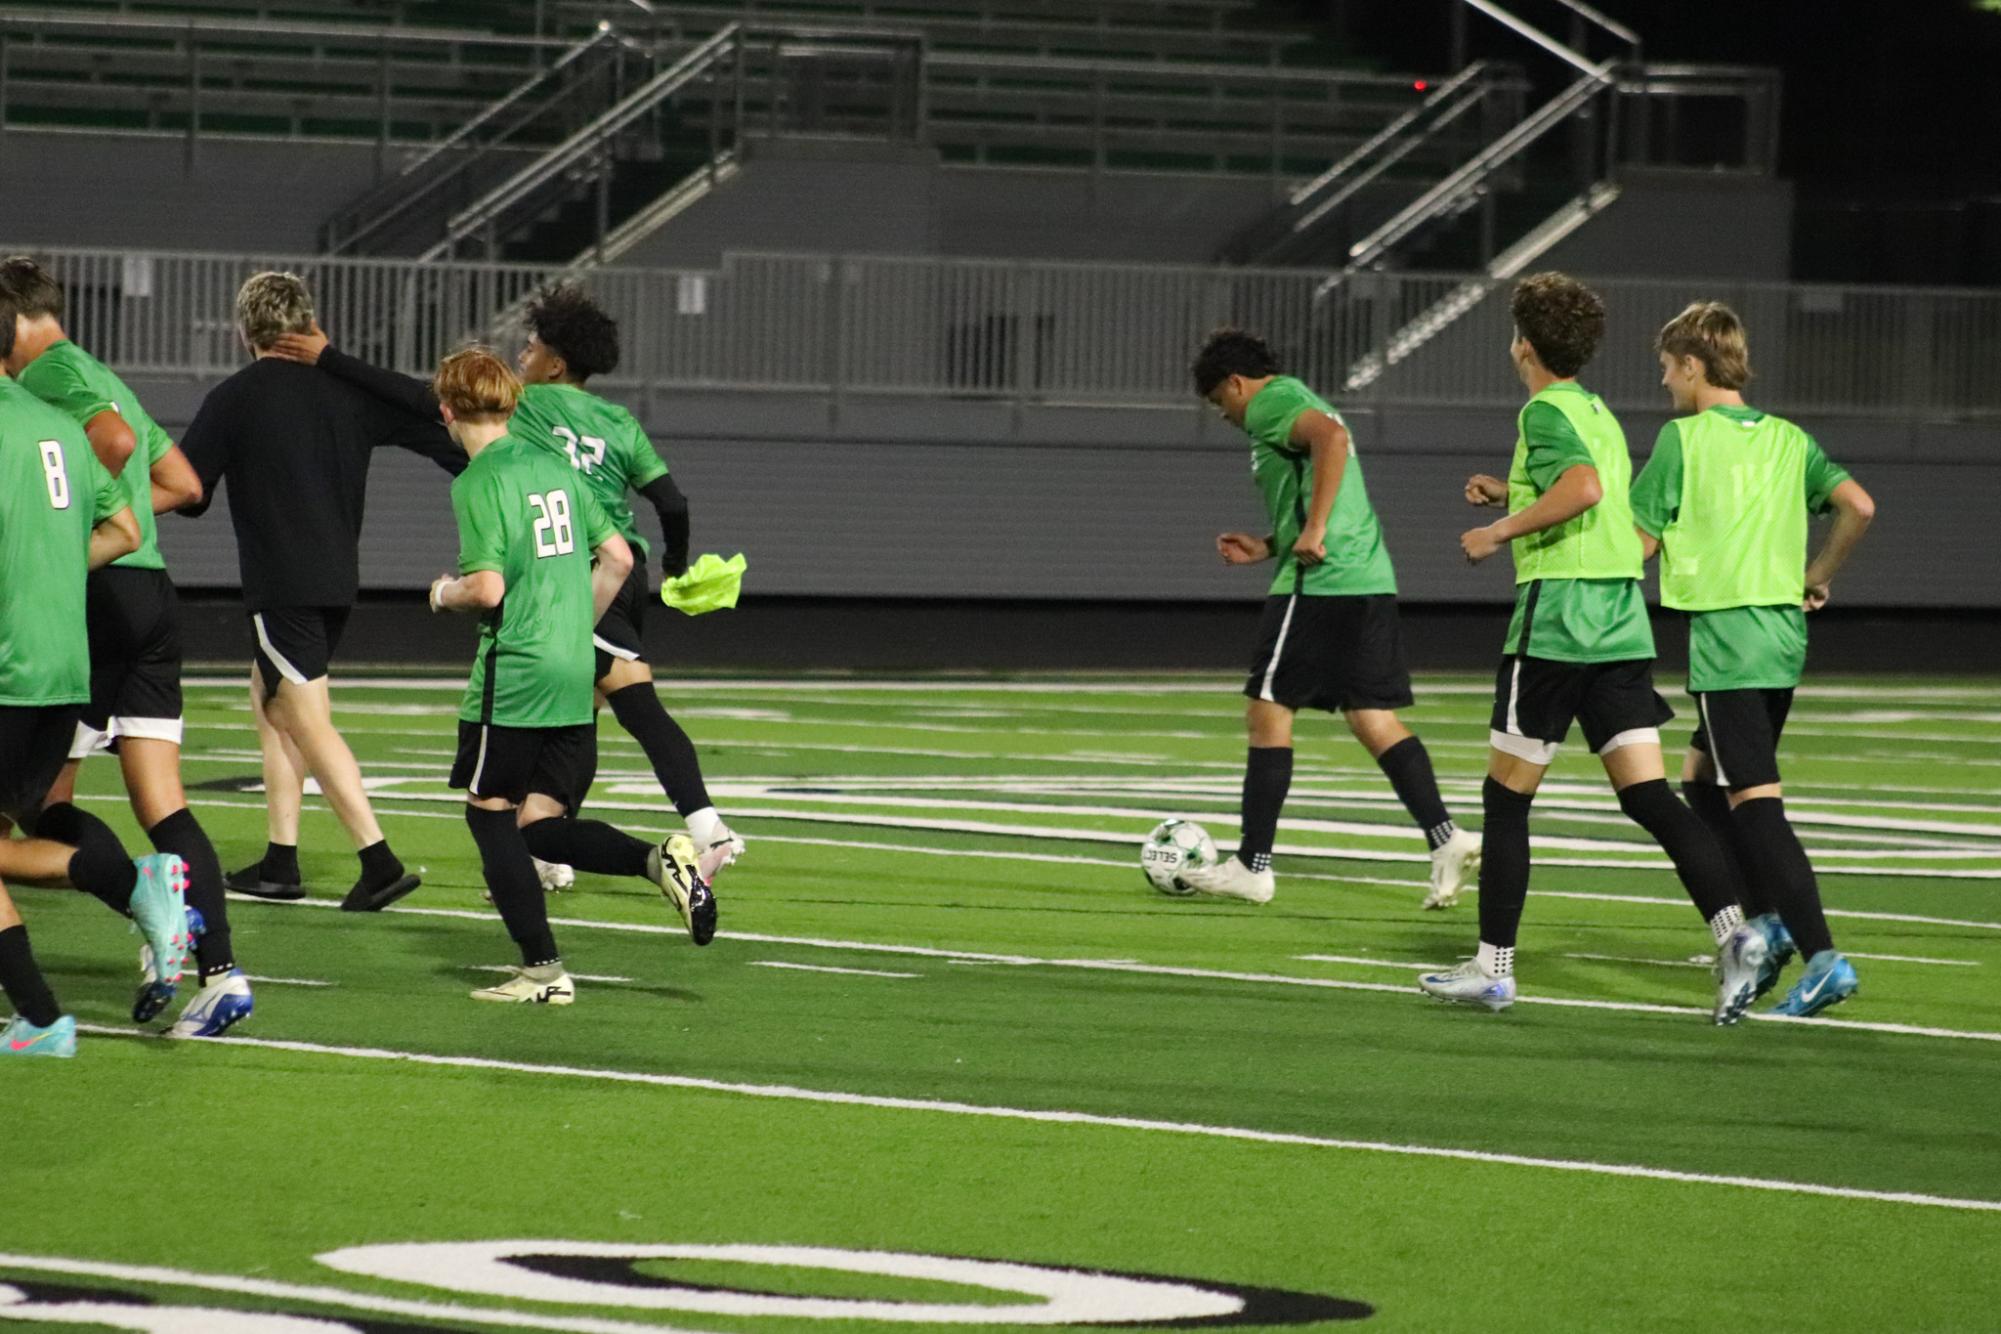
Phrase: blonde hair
pixel 1713 334
pixel 270 304
pixel 474 382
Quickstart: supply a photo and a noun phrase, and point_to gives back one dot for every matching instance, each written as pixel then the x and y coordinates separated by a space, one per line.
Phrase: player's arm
pixel 1245 549
pixel 111 440
pixel 1656 492
pixel 113 537
pixel 1326 441
pixel 175 485
pixel 1576 491
pixel 672 506
pixel 481 590
pixel 612 562
pixel 1853 510
pixel 413 423
pixel 205 445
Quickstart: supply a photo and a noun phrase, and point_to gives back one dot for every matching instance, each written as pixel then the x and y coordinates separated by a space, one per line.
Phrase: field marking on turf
pixel 288 981
pixel 823 968
pixel 791 1093
pixel 1649 901
pixel 1632 958
pixel 1362 962
pixel 336 1297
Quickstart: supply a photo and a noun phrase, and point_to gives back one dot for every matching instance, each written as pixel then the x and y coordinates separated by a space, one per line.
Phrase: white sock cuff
pixel 1496 960
pixel 704 826
pixel 1726 921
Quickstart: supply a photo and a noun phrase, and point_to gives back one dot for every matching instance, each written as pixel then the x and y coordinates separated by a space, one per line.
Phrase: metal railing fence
pixel 1044 332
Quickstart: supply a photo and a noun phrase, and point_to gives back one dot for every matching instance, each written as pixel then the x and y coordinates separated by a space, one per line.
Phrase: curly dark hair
pixel 1229 352
pixel 29 288
pixel 573 326
pixel 1562 319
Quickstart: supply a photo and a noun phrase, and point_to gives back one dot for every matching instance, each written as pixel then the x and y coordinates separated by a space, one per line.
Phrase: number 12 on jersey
pixel 554 534
pixel 585 452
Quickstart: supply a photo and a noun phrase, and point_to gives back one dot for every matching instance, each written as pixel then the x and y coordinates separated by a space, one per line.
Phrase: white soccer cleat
pixel 552 988
pixel 723 850
pixel 1470 984
pixel 1455 868
pixel 555 876
pixel 221 1004
pixel 1739 961
pixel 1230 879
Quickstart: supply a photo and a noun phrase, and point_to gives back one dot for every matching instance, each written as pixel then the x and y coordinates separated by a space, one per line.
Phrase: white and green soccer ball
pixel 1173 847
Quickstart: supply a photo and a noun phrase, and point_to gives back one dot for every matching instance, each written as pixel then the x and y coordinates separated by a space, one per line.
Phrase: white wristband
pixel 437 584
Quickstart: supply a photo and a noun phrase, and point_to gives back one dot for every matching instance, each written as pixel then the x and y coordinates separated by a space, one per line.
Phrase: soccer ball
pixel 1172 847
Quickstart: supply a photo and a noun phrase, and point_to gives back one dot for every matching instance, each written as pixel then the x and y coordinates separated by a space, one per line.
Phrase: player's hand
pixel 437 586
pixel 1484 490
pixel 304 348
pixel 1311 548
pixel 671 571
pixel 1242 549
pixel 1816 597
pixel 1478 544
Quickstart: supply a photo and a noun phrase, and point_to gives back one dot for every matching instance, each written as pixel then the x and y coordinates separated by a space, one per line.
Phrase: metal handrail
pixel 1449 191
pixel 1523 28
pixel 1444 120
pixel 41 20
pixel 468 221
pixel 1396 127
pixel 605 36
pixel 1611 25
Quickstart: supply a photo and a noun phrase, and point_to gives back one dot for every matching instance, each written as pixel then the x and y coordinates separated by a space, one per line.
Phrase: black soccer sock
pixel 1407 764
pixel 100 867
pixel 1698 857
pixel 182 835
pixel 1781 864
pixel 379 865
pixel 588 845
pixel 1504 863
pixel 668 749
pixel 510 877
pixel 281 864
pixel 27 990
pixel 1711 804
pixel 1267 778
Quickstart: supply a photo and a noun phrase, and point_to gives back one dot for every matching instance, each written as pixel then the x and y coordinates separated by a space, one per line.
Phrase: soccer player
pixel 135 646
pixel 1330 638
pixel 570 340
pixel 1579 648
pixel 528 726
pixel 1725 500
pixel 61 514
pixel 294 447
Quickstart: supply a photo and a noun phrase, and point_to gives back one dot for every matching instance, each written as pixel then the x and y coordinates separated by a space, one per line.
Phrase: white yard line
pixel 1360 961
pixel 823 968
pixel 288 981
pixel 1060 1117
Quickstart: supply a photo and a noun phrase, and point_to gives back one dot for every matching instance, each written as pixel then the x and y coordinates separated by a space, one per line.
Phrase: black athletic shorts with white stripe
pixel 511 762
pixel 135 660
pixel 618 631
pixel 1537 699
pixel 296 644
pixel 1740 731
pixel 1331 652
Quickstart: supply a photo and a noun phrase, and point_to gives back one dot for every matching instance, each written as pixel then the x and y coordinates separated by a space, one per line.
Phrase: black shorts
pixel 1536 700
pixel 34 746
pixel 1331 652
pixel 1740 731
pixel 135 660
pixel 296 644
pixel 618 631
pixel 511 762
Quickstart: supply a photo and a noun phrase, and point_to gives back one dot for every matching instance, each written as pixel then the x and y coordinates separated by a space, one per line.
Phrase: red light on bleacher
pixel 1421 84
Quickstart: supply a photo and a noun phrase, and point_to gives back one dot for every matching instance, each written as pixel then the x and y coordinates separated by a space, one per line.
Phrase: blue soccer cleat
pixel 1829 980
pixel 218 1007
pixel 21 1038
pixel 160 911
pixel 1779 950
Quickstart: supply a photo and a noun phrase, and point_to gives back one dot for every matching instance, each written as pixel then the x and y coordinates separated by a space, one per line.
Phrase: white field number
pixel 56 473
pixel 554 535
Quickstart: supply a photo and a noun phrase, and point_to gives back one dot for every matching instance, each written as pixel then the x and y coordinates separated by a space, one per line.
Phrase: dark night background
pixel 1891 128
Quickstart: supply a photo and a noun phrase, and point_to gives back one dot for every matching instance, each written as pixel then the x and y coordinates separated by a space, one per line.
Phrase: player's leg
pixel 565 768
pixel 1622 715
pixel 494 767
pixel 39 1027
pixel 1746 725
pixel 276 874
pixel 625 682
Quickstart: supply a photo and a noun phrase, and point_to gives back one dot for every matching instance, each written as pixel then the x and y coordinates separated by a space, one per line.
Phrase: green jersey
pixel 600 439
pixel 522 514
pixel 1577 584
pixel 77 384
pixel 1357 562
pixel 53 491
pixel 1728 492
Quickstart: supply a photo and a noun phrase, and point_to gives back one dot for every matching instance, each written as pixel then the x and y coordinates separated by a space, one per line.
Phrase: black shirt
pixel 294 443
